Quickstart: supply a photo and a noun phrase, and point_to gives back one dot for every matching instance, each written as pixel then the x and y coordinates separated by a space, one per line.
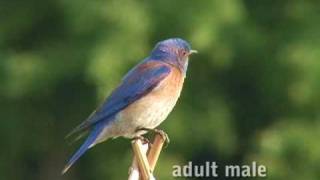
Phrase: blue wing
pixel 137 83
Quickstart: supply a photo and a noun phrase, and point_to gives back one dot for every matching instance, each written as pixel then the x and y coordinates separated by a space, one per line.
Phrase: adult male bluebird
pixel 144 98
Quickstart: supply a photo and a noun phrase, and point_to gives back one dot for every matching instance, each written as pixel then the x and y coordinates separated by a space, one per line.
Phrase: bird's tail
pixel 84 147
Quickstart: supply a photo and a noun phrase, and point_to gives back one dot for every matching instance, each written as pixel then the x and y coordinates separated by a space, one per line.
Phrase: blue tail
pixel 84 147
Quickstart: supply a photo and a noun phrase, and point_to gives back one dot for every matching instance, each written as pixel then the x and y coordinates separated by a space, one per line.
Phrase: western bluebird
pixel 144 98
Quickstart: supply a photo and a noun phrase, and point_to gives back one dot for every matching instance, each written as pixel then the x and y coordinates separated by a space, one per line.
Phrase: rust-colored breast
pixel 153 108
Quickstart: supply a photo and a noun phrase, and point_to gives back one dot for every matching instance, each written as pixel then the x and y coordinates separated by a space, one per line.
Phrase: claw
pixel 163 134
pixel 160 132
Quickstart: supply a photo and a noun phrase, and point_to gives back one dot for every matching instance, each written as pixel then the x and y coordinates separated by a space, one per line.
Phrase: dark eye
pixel 183 53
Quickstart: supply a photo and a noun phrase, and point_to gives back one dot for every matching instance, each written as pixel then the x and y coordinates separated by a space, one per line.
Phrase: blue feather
pixel 85 146
pixel 139 82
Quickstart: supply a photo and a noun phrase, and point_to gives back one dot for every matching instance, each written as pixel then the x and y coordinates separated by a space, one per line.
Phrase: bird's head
pixel 174 51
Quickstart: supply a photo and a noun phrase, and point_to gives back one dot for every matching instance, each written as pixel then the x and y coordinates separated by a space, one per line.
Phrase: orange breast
pixel 154 107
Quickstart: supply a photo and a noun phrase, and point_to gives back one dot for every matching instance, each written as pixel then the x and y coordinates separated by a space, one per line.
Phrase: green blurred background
pixel 251 94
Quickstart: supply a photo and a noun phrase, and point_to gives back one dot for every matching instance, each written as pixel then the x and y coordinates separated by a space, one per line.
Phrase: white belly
pixel 154 113
pixel 149 115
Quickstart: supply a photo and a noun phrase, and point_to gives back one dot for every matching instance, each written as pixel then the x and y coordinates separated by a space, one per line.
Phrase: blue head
pixel 174 51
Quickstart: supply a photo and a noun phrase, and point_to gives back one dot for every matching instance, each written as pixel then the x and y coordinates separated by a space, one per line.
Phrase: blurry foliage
pixel 252 92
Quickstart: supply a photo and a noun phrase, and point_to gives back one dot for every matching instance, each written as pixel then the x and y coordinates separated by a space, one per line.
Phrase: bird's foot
pixel 163 134
pixel 143 139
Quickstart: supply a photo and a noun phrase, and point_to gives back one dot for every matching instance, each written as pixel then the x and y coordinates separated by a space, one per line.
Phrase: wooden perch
pixel 145 158
pixel 155 151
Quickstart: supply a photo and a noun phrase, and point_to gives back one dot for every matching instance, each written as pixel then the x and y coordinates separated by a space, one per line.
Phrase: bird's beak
pixel 192 51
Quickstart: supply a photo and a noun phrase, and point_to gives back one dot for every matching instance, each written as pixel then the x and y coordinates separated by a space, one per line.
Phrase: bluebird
pixel 144 98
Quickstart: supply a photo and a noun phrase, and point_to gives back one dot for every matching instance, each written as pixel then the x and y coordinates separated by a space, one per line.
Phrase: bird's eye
pixel 183 53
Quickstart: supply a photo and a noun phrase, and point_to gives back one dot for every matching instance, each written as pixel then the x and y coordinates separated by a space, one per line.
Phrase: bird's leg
pixel 158 131
pixel 143 139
